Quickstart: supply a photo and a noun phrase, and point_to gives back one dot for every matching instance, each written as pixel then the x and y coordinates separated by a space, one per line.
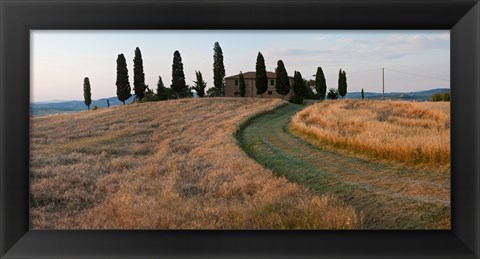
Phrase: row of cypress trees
pixel 282 86
pixel 178 87
pixel 342 87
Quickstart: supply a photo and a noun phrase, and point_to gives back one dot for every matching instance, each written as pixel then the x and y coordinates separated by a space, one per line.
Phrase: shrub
pixel 150 96
pixel 446 97
pixel 441 97
pixel 296 99
pixel 96 108
pixel 212 92
pixel 436 97
pixel 332 94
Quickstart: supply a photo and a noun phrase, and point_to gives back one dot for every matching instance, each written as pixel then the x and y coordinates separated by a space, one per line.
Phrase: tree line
pixel 441 97
pixel 302 88
pixel 178 88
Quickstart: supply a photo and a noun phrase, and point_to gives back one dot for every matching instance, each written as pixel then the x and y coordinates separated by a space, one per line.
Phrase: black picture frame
pixel 18 17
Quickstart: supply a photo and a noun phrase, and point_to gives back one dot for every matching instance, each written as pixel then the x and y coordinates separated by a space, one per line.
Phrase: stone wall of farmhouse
pixel 232 90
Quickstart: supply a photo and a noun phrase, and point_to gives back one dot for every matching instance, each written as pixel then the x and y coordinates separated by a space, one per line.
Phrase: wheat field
pixel 165 165
pixel 413 133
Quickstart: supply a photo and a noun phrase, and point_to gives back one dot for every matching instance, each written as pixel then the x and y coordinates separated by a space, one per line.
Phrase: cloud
pixel 344 40
pixel 294 52
pixel 418 41
pixel 321 38
pixel 391 47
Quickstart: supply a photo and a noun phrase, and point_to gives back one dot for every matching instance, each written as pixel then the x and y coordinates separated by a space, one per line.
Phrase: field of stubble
pixel 387 193
pixel 165 165
pixel 413 133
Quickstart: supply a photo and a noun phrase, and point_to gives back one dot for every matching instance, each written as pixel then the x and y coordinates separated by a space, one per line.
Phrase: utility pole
pixel 383 83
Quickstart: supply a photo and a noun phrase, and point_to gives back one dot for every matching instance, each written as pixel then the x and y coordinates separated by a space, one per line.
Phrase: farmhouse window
pixel 236 93
pixel 269 92
pixel 236 82
pixel 272 81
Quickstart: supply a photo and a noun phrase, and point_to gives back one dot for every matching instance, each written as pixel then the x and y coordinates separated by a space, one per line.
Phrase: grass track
pixel 388 196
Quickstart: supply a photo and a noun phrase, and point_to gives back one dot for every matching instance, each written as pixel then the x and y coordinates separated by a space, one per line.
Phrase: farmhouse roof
pixel 252 75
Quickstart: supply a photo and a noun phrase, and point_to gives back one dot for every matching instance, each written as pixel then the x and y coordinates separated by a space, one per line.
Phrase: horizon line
pixel 78 100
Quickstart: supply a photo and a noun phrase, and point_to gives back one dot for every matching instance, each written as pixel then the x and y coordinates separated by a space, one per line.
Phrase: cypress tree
pixel 342 83
pixel 339 79
pixel 161 90
pixel 87 94
pixel 108 103
pixel 242 84
pixel 282 85
pixel 179 87
pixel 261 80
pixel 363 96
pixel 138 75
pixel 309 86
pixel 123 85
pixel 320 83
pixel 218 70
pixel 299 87
pixel 200 85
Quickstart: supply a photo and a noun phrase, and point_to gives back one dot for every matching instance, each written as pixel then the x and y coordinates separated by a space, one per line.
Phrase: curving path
pixel 388 196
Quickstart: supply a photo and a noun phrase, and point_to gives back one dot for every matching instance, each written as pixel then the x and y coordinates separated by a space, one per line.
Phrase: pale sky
pixel 413 60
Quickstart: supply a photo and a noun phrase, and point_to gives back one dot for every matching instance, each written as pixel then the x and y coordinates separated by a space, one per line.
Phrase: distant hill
pixel 409 96
pixel 55 107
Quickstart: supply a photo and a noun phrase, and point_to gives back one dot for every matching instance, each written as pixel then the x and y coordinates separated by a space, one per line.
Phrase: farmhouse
pixel 232 86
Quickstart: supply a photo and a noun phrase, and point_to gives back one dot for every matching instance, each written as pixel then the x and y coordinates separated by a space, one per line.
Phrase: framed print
pixel 239 129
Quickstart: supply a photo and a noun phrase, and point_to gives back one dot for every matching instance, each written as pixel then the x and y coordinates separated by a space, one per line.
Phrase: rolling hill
pixel 407 96
pixel 57 107
pixel 165 165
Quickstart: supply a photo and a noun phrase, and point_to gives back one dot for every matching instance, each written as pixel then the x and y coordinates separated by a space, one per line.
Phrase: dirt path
pixel 388 196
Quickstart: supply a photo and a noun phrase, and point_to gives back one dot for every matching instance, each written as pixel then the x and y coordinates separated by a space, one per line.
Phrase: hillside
pixel 416 133
pixel 407 96
pixel 59 107
pixel 165 165
pixel 388 195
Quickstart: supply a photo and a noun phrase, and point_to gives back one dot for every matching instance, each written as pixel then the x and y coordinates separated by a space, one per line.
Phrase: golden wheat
pixel 165 165
pixel 416 133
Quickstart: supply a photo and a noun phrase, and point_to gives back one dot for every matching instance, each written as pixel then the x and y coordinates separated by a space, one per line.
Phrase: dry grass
pixel 388 195
pixel 415 133
pixel 165 165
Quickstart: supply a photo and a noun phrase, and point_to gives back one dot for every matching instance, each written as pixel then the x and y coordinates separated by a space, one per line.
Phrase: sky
pixel 413 60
